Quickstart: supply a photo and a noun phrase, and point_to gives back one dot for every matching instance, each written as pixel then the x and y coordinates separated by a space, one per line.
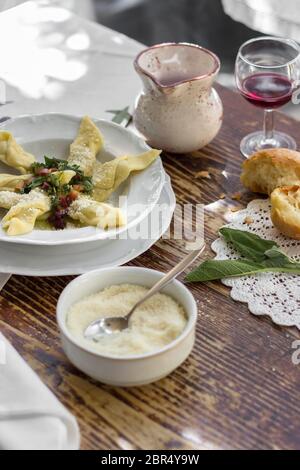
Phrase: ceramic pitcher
pixel 178 110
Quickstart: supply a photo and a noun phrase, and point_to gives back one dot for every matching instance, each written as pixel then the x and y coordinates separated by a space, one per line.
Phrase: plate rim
pixel 101 235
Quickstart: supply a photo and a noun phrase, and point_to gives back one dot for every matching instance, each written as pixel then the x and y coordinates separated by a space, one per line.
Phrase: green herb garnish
pixel 49 181
pixel 258 256
pixel 35 183
pixel 54 163
pixel 46 177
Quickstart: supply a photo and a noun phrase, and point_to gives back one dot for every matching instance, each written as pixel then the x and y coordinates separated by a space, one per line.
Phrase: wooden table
pixel 239 388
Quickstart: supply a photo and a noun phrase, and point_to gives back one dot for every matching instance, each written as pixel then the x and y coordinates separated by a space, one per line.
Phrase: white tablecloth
pixel 275 17
pixel 60 62
pixel 84 8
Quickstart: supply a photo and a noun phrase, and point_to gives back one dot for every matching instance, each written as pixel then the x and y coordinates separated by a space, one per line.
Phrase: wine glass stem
pixel 268 125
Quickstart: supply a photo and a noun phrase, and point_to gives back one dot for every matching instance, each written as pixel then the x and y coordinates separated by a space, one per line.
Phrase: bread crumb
pixel 203 174
pixel 236 197
pixel 235 209
pixel 248 221
pixel 222 196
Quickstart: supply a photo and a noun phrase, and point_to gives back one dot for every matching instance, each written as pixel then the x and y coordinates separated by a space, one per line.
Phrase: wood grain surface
pixel 238 389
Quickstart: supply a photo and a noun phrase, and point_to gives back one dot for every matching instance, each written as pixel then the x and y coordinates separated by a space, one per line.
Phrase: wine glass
pixel 267 72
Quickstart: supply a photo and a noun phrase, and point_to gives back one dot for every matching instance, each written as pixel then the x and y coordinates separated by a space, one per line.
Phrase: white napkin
pixel 4 278
pixel 31 418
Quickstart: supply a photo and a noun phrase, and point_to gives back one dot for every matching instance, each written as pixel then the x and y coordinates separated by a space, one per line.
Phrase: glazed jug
pixel 178 110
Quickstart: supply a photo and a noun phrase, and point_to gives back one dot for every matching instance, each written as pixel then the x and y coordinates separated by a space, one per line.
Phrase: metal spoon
pixel 111 325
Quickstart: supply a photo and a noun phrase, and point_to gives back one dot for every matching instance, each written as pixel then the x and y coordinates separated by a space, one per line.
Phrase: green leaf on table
pixel 276 258
pixel 258 256
pixel 121 116
pixel 248 244
pixel 213 270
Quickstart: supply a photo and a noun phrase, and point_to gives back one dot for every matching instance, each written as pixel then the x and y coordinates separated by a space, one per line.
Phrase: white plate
pixel 68 260
pixel 51 135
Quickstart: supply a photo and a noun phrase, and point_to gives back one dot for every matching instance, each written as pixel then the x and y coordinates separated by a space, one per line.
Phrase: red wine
pixel 267 90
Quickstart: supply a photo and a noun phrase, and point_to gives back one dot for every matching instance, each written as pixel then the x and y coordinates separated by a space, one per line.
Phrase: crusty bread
pixel 285 211
pixel 267 170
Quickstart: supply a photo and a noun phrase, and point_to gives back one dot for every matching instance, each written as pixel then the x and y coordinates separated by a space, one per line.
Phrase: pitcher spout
pixel 167 66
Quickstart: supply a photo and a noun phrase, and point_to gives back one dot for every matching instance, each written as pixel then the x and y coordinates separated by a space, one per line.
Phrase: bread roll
pixel 285 212
pixel 267 170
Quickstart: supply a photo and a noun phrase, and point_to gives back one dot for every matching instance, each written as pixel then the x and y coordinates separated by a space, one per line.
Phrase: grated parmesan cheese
pixel 156 323
pixel 83 157
pixel 34 196
pixel 9 199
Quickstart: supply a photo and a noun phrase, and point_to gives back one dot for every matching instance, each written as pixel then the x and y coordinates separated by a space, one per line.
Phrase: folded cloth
pixel 31 418
pixel 267 16
pixel 4 278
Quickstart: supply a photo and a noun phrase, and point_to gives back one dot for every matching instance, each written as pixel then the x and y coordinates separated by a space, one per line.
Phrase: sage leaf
pixel 248 244
pixel 258 256
pixel 213 270
pixel 276 253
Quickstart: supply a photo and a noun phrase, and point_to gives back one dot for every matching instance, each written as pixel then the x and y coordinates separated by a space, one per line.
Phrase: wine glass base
pixel 256 141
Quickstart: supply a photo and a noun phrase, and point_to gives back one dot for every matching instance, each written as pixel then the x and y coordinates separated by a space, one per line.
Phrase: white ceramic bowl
pixel 133 370
pixel 51 135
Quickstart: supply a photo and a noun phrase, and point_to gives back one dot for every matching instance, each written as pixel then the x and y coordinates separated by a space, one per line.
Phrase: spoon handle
pixel 170 276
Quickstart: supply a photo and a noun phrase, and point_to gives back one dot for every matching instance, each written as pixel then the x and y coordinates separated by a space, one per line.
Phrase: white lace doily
pixel 274 294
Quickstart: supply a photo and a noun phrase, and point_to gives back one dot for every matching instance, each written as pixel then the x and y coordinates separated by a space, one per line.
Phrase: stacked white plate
pixel 76 251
